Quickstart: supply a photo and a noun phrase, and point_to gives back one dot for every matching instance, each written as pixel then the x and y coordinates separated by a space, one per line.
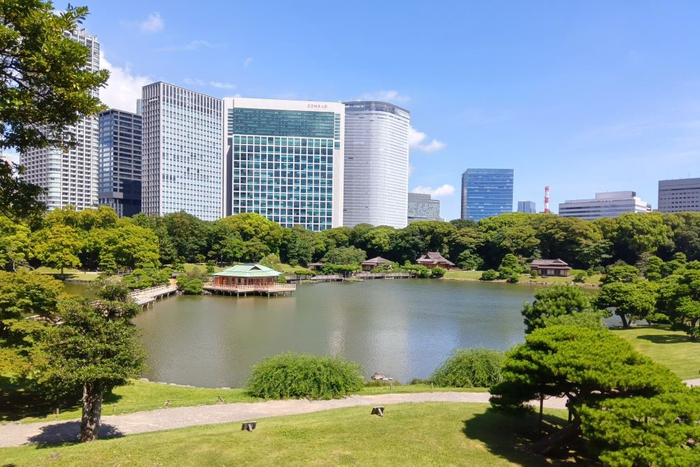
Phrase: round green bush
pixel 296 376
pixel 489 275
pixel 469 368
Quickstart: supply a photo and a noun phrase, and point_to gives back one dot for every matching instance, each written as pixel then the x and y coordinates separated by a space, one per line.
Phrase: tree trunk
pixel 625 324
pixel 92 411
pixel 558 438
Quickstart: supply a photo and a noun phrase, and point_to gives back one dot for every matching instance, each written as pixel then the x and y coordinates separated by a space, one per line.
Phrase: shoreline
pixel 503 281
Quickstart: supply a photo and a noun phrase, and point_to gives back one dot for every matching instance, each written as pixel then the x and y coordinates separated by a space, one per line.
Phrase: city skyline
pixel 602 86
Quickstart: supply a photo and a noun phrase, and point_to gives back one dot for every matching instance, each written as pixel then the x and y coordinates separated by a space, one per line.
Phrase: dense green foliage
pixel 557 300
pixel 191 282
pixel 44 86
pixel 469 368
pixel 489 275
pixel 297 376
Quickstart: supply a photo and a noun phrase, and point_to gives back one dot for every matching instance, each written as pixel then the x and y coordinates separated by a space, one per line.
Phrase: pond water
pixel 401 328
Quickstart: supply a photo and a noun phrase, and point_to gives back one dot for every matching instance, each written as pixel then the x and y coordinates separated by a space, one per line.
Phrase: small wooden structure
pixel 315 266
pixel 373 263
pixel 244 279
pixel 550 267
pixel 433 260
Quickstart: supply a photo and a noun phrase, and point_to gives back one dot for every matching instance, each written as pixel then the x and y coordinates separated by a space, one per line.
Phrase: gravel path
pixel 15 434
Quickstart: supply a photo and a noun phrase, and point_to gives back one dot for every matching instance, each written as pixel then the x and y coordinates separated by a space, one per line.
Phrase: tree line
pixel 94 239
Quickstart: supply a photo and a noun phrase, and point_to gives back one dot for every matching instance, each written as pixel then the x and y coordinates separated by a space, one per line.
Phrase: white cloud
pixel 416 138
pixel 193 45
pixel 198 82
pixel 388 96
pixel 220 85
pixel 444 190
pixel 248 61
pixel 123 87
pixel 154 23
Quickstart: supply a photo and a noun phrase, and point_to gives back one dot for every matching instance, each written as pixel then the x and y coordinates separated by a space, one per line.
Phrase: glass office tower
pixel 376 164
pixel 120 161
pixel 182 152
pixel 486 193
pixel 284 160
pixel 528 207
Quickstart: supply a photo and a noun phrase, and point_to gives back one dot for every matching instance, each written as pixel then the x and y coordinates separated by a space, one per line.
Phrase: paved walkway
pixel 16 434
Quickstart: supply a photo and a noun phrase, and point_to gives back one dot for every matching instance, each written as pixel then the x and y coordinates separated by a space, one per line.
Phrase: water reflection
pixel 402 328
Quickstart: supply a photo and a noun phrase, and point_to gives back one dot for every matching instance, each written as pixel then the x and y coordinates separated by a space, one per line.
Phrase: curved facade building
pixel 376 164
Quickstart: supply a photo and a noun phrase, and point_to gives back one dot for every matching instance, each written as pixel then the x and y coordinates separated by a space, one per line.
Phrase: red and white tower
pixel 546 199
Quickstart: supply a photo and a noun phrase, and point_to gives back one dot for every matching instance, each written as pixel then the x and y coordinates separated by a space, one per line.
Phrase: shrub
pixel 418 269
pixel 189 286
pixel 533 273
pixel 489 275
pixel 580 277
pixel 281 279
pixel 468 368
pixel 304 272
pixel 438 272
pixel 293 375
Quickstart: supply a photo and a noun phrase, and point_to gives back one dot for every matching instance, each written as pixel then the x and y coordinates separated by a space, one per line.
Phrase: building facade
pixel 284 160
pixel 610 204
pixel 182 163
pixel 120 161
pixel 376 164
pixel 679 195
pixel 421 207
pixel 528 207
pixel 486 193
pixel 70 177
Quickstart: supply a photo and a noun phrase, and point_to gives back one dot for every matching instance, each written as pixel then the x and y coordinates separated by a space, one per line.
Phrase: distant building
pixel 421 207
pixel 284 160
pixel 182 163
pixel 69 177
pixel 550 267
pixel 373 263
pixel 120 161
pixel 679 195
pixel 376 164
pixel 610 204
pixel 433 259
pixel 486 193
pixel 528 207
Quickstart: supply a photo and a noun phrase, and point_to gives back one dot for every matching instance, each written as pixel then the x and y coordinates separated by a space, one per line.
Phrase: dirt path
pixel 180 417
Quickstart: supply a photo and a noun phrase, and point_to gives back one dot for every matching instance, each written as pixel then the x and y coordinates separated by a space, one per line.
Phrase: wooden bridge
pixel 146 297
pixel 390 275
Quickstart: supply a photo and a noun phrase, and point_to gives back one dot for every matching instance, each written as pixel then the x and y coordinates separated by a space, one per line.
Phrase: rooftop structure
pixel 433 259
pixel 610 204
pixel 373 263
pixel 252 278
pixel 680 195
pixel 550 267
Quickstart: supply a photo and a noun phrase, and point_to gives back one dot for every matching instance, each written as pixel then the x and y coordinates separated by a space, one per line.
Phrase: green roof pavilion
pixel 246 274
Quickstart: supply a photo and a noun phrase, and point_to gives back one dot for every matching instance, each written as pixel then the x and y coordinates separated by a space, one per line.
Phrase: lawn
pixel 69 273
pixel 673 349
pixel 441 434
pixel 18 404
pixel 524 278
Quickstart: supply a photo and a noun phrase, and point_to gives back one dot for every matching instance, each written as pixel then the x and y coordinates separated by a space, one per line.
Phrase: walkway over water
pixel 255 289
pixel 145 297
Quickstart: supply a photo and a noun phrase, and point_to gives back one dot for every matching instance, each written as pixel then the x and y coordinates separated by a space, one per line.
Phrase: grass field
pixel 427 434
pixel 673 349
pixel 18 404
pixel 524 278
pixel 69 273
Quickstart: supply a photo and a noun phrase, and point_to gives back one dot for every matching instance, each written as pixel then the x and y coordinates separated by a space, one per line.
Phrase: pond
pixel 401 328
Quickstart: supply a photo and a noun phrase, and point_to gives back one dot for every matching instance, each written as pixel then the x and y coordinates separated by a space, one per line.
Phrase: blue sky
pixel 583 96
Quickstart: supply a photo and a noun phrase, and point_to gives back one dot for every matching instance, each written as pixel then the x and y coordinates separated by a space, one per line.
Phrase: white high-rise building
pixel 610 204
pixel 284 160
pixel 376 164
pixel 182 161
pixel 69 178
pixel 680 195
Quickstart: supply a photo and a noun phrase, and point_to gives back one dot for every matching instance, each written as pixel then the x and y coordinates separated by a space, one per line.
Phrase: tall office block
pixel 376 164
pixel 610 204
pixel 120 161
pixel 69 177
pixel 679 195
pixel 486 193
pixel 182 152
pixel 528 207
pixel 421 207
pixel 284 160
